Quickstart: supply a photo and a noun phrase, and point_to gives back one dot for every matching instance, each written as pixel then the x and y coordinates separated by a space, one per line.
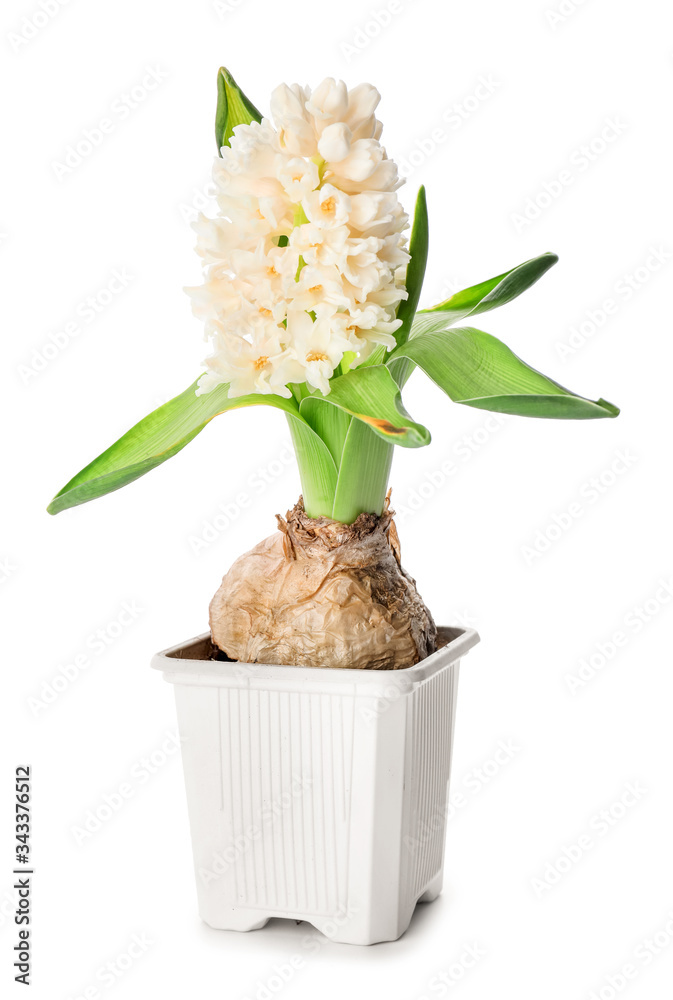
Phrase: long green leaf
pixel 153 440
pixel 429 322
pixel 363 474
pixel 330 423
pixel 418 249
pixel 496 291
pixel 317 468
pixel 372 396
pixel 233 108
pixel 476 369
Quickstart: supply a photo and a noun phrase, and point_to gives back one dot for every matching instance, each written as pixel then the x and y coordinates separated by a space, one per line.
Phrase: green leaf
pixel 363 474
pixel 372 396
pixel 317 469
pixel 233 108
pixel 429 322
pixel 156 438
pixel 330 423
pixel 476 369
pixel 496 291
pixel 418 248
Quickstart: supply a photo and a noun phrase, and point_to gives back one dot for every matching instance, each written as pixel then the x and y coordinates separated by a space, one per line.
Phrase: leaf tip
pixel 233 108
pixel 610 409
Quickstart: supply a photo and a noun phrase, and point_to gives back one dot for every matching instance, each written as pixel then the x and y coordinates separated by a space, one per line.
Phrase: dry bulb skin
pixel 319 593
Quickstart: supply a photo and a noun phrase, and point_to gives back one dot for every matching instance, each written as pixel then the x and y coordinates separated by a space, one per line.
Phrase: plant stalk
pixel 349 476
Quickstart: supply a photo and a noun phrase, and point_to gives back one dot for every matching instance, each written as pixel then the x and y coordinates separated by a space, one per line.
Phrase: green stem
pixel 364 472
pixel 317 469
pixel 344 466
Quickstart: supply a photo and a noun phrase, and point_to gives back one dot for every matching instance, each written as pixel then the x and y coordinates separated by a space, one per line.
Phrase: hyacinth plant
pixel 309 301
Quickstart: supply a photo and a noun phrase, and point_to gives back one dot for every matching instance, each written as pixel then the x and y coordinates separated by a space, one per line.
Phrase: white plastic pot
pixel 316 794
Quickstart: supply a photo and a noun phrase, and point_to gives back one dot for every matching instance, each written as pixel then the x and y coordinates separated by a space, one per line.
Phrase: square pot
pixel 316 794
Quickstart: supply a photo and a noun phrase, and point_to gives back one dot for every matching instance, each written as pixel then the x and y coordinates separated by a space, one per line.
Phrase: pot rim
pixel 179 668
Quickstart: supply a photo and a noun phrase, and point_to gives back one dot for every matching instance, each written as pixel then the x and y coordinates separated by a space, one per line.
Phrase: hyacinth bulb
pixel 321 593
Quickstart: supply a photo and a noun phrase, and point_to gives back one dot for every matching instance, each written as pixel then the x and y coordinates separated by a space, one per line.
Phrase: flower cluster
pixel 305 261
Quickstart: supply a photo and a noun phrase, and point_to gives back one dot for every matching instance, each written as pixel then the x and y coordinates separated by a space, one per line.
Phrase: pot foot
pixel 239 920
pixel 432 892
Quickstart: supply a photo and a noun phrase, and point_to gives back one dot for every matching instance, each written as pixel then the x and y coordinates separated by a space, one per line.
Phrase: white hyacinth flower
pixel 247 365
pixel 316 349
pixel 306 258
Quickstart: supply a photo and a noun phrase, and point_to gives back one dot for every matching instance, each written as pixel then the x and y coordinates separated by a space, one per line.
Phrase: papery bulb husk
pixel 319 593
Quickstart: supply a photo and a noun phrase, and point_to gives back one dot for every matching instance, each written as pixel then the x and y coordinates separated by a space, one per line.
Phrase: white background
pixel 533 88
